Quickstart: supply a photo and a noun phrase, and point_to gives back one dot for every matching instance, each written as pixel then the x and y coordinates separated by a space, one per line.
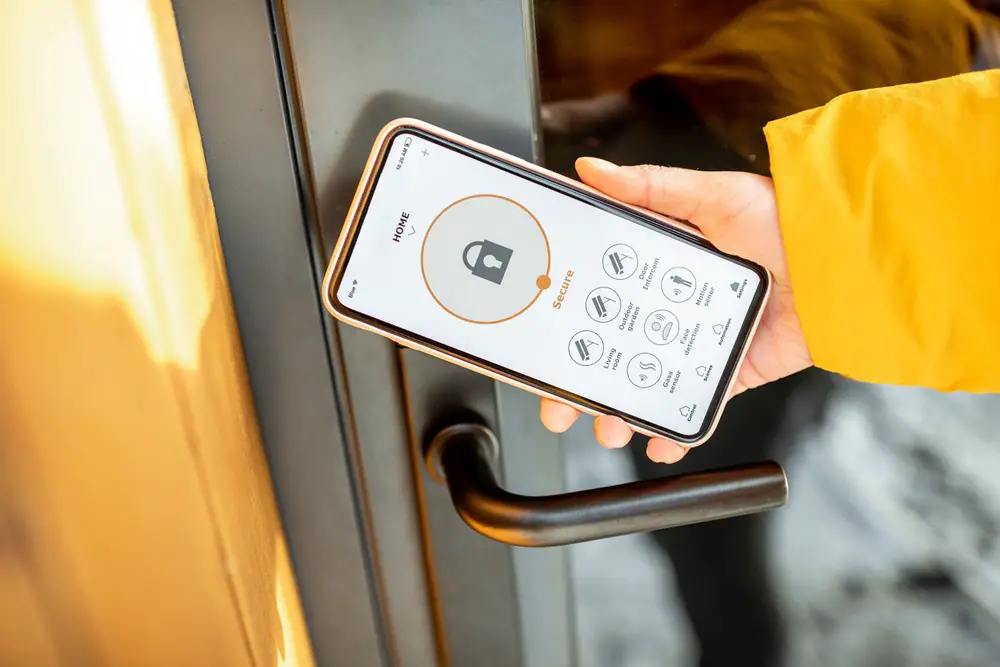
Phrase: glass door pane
pixel 887 553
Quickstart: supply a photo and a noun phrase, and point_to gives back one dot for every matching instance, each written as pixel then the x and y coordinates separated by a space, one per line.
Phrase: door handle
pixel 462 457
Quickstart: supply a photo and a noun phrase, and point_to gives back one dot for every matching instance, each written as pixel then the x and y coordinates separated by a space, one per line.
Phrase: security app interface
pixel 541 284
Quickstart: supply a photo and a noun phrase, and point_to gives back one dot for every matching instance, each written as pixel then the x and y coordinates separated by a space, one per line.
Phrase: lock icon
pixel 491 262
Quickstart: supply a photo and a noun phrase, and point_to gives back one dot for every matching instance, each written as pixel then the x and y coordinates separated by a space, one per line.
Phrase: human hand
pixel 738 213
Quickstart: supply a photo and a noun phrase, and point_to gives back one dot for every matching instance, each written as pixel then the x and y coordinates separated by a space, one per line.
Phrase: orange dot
pixel 543 282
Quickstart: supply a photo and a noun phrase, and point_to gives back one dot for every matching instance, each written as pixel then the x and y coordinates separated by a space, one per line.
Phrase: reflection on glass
pixel 888 551
pixel 730 66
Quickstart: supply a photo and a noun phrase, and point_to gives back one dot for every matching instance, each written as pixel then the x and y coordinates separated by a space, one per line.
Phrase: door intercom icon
pixel 491 261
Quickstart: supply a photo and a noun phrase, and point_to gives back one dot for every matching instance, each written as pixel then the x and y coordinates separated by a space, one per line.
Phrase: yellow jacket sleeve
pixel 889 201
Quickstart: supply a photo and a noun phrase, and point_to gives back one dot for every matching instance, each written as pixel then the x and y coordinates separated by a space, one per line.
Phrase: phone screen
pixel 546 283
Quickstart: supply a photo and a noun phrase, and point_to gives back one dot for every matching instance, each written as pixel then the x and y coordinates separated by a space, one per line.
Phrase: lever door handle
pixel 461 457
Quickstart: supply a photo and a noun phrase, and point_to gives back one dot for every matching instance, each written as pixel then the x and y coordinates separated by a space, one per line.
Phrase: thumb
pixel 709 200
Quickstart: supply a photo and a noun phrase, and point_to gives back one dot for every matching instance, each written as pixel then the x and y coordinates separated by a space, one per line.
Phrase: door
pixel 289 97
pixel 137 520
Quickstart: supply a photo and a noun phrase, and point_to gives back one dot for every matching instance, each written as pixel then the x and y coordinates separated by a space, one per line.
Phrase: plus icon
pixel 425 151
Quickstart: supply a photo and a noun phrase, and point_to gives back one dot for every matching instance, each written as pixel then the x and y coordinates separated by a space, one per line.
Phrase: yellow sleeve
pixel 889 201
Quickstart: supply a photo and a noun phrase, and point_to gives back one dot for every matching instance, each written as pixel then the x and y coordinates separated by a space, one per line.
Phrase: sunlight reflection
pixel 94 114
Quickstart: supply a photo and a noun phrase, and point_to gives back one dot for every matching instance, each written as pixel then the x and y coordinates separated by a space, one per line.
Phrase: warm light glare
pixel 91 115
pixel 287 597
pixel 134 469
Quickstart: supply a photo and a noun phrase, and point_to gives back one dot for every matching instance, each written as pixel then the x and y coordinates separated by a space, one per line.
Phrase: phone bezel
pixel 510 164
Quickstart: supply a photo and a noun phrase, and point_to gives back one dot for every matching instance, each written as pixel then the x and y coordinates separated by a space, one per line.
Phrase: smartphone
pixel 495 264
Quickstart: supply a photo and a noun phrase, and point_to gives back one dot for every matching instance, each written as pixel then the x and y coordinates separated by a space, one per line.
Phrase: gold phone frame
pixel 352 224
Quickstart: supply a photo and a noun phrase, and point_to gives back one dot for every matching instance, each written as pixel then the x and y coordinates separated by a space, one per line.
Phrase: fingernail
pixel 556 428
pixel 600 165
pixel 659 451
pixel 614 442
pixel 667 459
pixel 612 432
pixel 621 437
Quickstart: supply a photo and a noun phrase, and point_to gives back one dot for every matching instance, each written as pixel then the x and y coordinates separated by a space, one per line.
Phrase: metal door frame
pixel 286 105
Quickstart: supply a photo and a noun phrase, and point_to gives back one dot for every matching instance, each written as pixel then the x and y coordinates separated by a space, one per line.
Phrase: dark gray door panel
pixel 237 88
pixel 289 97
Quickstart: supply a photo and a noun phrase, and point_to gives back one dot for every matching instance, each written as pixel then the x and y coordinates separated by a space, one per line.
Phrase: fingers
pixel 681 193
pixel 704 198
pixel 660 450
pixel 612 432
pixel 558 417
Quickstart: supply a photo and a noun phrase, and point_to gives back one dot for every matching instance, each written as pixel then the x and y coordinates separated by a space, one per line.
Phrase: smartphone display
pixel 499 265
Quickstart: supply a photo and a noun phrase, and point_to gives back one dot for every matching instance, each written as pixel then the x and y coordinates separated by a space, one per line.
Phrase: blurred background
pixel 887 553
